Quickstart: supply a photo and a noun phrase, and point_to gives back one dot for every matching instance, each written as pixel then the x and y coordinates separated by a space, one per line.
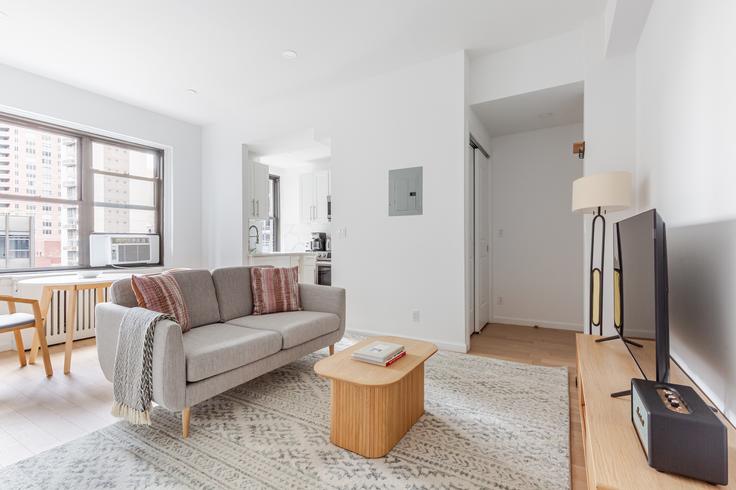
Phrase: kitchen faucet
pixel 257 237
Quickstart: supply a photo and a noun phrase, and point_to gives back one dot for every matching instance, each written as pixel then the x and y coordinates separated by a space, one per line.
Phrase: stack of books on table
pixel 380 353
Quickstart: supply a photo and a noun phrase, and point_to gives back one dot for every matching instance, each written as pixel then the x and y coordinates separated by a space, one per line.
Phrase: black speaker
pixel 679 433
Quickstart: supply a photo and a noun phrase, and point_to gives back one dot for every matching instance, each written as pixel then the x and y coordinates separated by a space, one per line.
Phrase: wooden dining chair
pixel 15 322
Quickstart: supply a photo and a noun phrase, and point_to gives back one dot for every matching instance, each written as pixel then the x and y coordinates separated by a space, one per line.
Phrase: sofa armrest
pixel 169 363
pixel 325 299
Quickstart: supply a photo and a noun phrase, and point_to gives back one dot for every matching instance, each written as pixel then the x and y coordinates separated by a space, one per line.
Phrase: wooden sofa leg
pixel 332 349
pixel 185 414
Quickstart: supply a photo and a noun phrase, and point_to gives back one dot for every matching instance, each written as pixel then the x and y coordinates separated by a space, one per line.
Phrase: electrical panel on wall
pixel 405 191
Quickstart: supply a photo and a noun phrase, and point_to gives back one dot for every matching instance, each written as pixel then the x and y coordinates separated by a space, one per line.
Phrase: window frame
pixel 275 184
pixel 85 190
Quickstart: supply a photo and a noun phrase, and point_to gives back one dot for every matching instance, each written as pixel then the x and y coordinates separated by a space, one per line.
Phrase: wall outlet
pixel 499 301
pixel 415 316
pixel 500 233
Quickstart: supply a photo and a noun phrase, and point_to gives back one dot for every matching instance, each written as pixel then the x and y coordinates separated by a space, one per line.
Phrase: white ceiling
pixel 150 52
pixel 292 150
pixel 546 108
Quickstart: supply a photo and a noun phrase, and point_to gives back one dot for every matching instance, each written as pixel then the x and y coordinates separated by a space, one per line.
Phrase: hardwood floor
pixel 544 347
pixel 38 413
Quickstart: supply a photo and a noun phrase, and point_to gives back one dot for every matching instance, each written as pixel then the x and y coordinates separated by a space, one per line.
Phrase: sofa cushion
pixel 233 292
pixel 121 293
pixel 275 290
pixel 219 347
pixel 161 292
pixel 295 327
pixel 199 295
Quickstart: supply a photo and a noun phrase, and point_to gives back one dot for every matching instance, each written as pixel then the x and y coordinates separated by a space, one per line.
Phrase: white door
pixel 469 244
pixel 260 190
pixel 481 239
pixel 306 199
pixel 321 191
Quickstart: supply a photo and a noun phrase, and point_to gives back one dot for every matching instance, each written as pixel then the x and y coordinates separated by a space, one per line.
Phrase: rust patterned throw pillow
pixel 275 289
pixel 161 293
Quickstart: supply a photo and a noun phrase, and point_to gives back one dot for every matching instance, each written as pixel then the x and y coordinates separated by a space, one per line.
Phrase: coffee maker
pixel 319 242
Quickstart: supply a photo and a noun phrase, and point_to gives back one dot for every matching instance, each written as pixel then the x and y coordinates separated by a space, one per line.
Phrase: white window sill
pixel 73 272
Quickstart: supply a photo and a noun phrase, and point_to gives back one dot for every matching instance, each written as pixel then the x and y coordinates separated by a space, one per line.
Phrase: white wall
pixel 609 109
pixel 535 66
pixel 224 228
pixel 389 265
pixel 610 140
pixel 33 96
pixel 685 79
pixel 536 261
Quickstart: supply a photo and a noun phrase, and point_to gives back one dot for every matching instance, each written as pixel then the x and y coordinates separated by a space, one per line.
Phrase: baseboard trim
pixel 530 322
pixel 707 391
pixel 451 346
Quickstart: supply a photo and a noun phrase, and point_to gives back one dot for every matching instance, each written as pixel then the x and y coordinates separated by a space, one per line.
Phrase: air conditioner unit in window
pixel 123 249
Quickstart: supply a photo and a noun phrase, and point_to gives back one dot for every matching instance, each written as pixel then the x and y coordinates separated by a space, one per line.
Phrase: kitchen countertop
pixel 280 254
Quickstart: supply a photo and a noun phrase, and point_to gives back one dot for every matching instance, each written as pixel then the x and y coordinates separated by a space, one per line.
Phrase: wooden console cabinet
pixel 614 459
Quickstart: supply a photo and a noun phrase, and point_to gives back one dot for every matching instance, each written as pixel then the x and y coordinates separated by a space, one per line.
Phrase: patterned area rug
pixel 487 424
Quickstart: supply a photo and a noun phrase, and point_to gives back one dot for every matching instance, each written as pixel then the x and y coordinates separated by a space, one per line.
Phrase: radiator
pixel 56 326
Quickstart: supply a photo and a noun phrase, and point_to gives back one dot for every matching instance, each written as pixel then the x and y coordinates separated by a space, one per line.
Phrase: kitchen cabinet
pixel 315 192
pixel 308 269
pixel 321 194
pixel 259 185
pixel 306 203
pixel 305 261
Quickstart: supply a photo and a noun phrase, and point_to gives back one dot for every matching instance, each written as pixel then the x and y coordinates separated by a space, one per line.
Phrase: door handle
pixel 258 208
pixel 253 207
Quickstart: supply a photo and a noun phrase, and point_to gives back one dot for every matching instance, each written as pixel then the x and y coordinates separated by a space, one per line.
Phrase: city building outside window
pixel 77 185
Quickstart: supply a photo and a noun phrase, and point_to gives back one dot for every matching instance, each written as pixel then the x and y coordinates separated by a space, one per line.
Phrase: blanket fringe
pixel 135 417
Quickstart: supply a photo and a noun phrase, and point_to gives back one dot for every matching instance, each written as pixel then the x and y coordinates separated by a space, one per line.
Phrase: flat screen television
pixel 641 293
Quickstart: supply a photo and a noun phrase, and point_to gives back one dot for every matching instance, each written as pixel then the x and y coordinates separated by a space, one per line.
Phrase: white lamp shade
pixel 609 191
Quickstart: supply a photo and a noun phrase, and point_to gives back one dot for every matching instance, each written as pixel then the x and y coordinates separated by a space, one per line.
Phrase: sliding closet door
pixel 482 240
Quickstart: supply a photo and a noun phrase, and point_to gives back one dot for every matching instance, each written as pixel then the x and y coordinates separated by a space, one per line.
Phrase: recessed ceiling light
pixel 288 54
pixel 192 91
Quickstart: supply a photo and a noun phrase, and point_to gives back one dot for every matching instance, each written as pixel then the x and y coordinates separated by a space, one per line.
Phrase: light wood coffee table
pixel 374 406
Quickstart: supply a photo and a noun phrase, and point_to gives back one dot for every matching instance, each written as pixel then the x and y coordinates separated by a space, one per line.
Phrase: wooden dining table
pixel 72 284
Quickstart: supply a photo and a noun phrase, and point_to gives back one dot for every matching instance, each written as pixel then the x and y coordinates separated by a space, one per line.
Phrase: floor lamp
pixel 599 194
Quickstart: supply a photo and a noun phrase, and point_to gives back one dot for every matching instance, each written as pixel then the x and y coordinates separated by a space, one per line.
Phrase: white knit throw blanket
pixel 133 373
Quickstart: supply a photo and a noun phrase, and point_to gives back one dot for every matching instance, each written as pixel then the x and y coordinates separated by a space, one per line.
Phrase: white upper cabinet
pixel 321 194
pixel 306 198
pixel 258 208
pixel 315 189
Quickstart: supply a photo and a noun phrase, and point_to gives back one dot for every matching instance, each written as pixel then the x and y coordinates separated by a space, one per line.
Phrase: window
pixel 125 189
pixel 271 229
pixel 87 184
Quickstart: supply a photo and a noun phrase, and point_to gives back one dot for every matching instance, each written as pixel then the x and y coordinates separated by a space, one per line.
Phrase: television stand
pixel 614 337
pixel 614 457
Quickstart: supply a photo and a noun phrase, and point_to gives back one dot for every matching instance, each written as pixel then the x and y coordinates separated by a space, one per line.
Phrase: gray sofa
pixel 227 345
